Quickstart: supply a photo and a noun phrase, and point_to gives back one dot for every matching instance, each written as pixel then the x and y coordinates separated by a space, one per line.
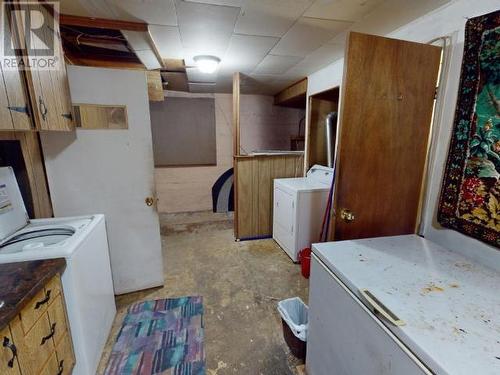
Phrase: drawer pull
pixel 380 308
pixel 49 336
pixel 13 349
pixel 43 301
pixel 61 367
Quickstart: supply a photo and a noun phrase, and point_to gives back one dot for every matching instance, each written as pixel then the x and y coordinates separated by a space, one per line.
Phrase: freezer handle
pixel 379 308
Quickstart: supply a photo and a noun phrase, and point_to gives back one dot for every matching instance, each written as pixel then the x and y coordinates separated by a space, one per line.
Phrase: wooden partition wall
pixel 254 176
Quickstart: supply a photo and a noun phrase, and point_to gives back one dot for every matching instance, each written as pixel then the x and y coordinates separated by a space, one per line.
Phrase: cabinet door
pixel 8 361
pixel 14 106
pixel 48 88
pixel 386 109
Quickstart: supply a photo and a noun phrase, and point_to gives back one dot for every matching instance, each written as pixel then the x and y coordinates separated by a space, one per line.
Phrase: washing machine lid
pixel 13 214
pixel 320 174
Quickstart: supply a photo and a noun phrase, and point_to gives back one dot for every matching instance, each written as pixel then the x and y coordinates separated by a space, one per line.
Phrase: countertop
pixel 21 281
pixel 451 305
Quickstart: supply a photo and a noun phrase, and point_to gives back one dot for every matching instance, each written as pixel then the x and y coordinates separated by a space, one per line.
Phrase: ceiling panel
pixel 138 40
pixel 148 58
pixel 202 87
pixel 308 34
pixel 157 12
pixel 86 8
pixel 274 64
pixel 316 60
pixel 245 52
pixel 168 41
pixel 230 3
pixel 205 27
pixel 346 10
pixel 269 17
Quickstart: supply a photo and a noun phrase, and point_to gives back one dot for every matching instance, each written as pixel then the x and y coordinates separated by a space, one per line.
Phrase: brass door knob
pixel 149 201
pixel 346 215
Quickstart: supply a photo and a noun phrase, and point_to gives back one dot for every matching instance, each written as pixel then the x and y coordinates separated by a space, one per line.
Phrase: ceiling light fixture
pixel 206 63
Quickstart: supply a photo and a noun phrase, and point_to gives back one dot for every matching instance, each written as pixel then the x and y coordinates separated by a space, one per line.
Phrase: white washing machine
pixel 86 281
pixel 299 206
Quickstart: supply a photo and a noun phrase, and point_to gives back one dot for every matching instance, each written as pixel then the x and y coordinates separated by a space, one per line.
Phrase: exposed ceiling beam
pixel 101 23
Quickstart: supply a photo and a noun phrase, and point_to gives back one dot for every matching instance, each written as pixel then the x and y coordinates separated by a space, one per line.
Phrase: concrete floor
pixel 240 282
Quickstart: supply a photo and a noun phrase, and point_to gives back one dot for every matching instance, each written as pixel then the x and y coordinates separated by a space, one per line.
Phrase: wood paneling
pixel 386 108
pixel 99 116
pixel 32 153
pixel 293 96
pixel 316 130
pixel 155 86
pixel 254 179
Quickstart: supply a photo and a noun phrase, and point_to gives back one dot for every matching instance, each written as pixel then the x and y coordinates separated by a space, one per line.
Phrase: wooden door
pixel 386 109
pixel 48 88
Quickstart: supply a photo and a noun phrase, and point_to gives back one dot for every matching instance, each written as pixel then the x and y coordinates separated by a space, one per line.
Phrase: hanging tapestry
pixel 470 196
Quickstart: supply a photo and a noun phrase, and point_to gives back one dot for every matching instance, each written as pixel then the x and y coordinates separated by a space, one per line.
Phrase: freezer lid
pixel 320 174
pixel 13 214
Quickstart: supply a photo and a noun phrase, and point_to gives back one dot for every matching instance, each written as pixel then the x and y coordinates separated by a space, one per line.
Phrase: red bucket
pixel 305 261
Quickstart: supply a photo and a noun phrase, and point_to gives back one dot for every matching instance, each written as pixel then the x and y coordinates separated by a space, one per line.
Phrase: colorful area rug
pixel 160 337
pixel 470 196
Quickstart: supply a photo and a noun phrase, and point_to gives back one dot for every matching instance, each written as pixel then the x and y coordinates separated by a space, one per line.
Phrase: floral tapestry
pixel 470 196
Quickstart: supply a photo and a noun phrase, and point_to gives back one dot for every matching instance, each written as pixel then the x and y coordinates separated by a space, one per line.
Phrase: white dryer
pixel 299 206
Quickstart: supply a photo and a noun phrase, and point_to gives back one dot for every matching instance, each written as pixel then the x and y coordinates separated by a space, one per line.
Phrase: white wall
pixel 262 126
pixel 446 21
pixel 110 171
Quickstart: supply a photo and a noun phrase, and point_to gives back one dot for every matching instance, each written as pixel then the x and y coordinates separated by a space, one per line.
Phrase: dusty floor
pixel 241 283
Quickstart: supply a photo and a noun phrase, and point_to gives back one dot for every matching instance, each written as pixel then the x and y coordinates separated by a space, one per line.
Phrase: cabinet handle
pixel 43 108
pixel 49 336
pixel 13 349
pixel 43 301
pixel 61 367
pixel 69 116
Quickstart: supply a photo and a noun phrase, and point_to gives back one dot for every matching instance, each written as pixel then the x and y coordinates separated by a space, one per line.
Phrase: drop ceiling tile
pixel 157 12
pixel 138 40
pixel 168 41
pixel 269 17
pixel 274 64
pixel 245 52
pixel 201 87
pixel 318 59
pixel 148 58
pixel 346 10
pixel 205 27
pixel 229 3
pixel 194 76
pixel 86 8
pixel 307 35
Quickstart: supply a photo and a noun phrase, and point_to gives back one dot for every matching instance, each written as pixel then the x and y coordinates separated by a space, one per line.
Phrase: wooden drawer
pixel 57 316
pixel 51 367
pixel 65 356
pixel 54 286
pixel 8 364
pixel 34 348
pixel 35 309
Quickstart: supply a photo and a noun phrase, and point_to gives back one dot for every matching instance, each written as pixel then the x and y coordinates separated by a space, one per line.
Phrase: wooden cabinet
pixel 41 336
pixel 14 102
pixel 48 88
pixel 37 97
